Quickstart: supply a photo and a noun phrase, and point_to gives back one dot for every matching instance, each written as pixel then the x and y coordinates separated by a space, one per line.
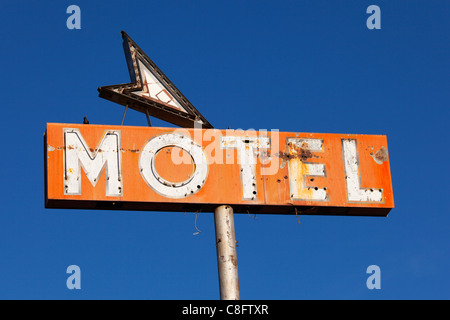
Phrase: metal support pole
pixel 226 253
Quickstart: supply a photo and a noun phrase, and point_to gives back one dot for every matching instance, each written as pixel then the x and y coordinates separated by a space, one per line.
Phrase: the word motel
pixel 173 169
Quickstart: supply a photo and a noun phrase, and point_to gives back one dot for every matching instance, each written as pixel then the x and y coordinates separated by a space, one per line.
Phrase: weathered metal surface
pixel 151 92
pixel 226 253
pixel 169 169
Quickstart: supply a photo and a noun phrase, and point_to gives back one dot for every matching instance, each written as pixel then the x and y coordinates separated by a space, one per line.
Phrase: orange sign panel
pixel 179 169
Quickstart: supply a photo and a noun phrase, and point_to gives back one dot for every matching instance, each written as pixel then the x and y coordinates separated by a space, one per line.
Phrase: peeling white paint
pixel 353 177
pixel 171 189
pixel 300 170
pixel 249 148
pixel 77 154
pixel 153 88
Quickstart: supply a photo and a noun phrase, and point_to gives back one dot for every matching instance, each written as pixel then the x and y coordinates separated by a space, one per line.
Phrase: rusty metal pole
pixel 226 253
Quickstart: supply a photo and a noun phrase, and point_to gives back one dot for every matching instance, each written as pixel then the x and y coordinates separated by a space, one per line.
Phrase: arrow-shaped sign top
pixel 151 92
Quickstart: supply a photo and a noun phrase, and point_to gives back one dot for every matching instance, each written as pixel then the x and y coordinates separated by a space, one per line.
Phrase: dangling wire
pixel 195 224
pixel 254 216
pixel 296 214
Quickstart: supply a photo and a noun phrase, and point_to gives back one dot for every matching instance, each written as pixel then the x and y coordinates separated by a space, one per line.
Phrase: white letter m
pixel 77 154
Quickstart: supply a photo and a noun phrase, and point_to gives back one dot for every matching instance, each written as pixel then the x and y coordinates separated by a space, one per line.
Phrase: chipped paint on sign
pixel 106 156
pixel 173 190
pixel 380 156
pixel 353 176
pixel 248 149
pixel 300 169
pixel 135 168
pixel 153 88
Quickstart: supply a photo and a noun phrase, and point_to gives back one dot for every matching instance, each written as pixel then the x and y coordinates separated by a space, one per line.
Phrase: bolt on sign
pixel 181 169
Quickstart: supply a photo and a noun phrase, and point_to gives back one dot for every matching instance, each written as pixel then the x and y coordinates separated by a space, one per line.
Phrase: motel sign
pixel 199 168
pixel 183 169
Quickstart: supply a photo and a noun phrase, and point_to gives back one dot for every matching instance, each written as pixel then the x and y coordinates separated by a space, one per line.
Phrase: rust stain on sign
pixel 380 156
pixel 179 169
pixel 302 152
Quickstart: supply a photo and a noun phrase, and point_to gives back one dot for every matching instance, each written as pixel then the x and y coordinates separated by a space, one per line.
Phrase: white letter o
pixel 175 190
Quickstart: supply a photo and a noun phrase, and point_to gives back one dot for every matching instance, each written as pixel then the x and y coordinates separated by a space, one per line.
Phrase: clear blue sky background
pixel 310 66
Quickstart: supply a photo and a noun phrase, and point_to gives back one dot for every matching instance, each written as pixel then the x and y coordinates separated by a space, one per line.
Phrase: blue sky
pixel 310 66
